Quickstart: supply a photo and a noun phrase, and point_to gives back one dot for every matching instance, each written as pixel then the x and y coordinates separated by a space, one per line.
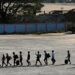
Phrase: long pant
pixel 46 62
pixel 53 61
pixel 28 61
pixel 8 63
pixel 69 60
pixel 21 63
pixel 38 61
pixel 3 63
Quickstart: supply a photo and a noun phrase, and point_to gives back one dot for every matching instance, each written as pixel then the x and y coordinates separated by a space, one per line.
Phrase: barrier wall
pixel 41 27
pixel 1 28
pixel 31 28
pixel 19 28
pixel 9 28
pixel 52 27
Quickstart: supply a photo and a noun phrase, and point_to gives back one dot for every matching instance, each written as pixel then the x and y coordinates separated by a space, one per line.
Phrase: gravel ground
pixel 59 42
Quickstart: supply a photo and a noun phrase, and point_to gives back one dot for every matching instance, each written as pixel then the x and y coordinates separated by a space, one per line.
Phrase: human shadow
pixel 23 66
pixel 61 65
pixel 31 66
pixel 71 68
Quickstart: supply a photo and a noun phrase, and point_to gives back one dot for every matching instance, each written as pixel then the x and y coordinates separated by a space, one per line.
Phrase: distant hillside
pixel 59 1
pixel 57 6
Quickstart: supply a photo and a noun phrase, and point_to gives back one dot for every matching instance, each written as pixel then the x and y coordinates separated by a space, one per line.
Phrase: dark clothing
pixel 28 59
pixel 38 59
pixel 21 59
pixel 53 61
pixel 14 59
pixel 8 59
pixel 39 62
pixel 3 60
pixel 45 59
pixel 53 58
pixel 68 57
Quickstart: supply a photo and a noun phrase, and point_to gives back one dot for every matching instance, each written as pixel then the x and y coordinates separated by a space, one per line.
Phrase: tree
pixel 12 8
pixel 70 16
pixel 53 1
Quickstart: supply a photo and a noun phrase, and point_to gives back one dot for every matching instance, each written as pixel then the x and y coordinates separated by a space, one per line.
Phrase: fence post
pixel 56 27
pixel 15 28
pixel 46 27
pixel 26 28
pixel 4 28
pixel 66 26
pixel 36 27
pixel 1 27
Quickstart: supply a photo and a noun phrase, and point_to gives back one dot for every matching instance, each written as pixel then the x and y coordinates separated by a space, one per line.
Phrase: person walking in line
pixel 14 60
pixel 28 58
pixel 68 56
pixel 3 60
pixel 8 59
pixel 15 57
pixel 21 58
pixel 46 56
pixel 38 58
pixel 53 58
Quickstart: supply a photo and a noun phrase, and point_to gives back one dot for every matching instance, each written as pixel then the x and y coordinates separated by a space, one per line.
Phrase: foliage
pixel 11 9
pixel 70 16
pixel 70 25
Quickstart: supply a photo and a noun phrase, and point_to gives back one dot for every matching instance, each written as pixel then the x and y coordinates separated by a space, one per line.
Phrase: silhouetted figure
pixel 3 60
pixel 15 57
pixel 53 57
pixel 46 58
pixel 8 59
pixel 14 60
pixel 28 58
pixel 47 55
pixel 38 58
pixel 21 58
pixel 68 56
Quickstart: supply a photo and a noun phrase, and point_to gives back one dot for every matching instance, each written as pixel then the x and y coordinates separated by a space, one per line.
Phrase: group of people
pixel 18 59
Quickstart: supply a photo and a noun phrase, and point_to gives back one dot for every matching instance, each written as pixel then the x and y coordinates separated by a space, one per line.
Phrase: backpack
pixel 17 62
pixel 66 61
pixel 48 55
pixel 9 57
pixel 16 56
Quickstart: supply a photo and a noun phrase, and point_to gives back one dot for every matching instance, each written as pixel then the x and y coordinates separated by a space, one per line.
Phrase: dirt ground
pixel 60 42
